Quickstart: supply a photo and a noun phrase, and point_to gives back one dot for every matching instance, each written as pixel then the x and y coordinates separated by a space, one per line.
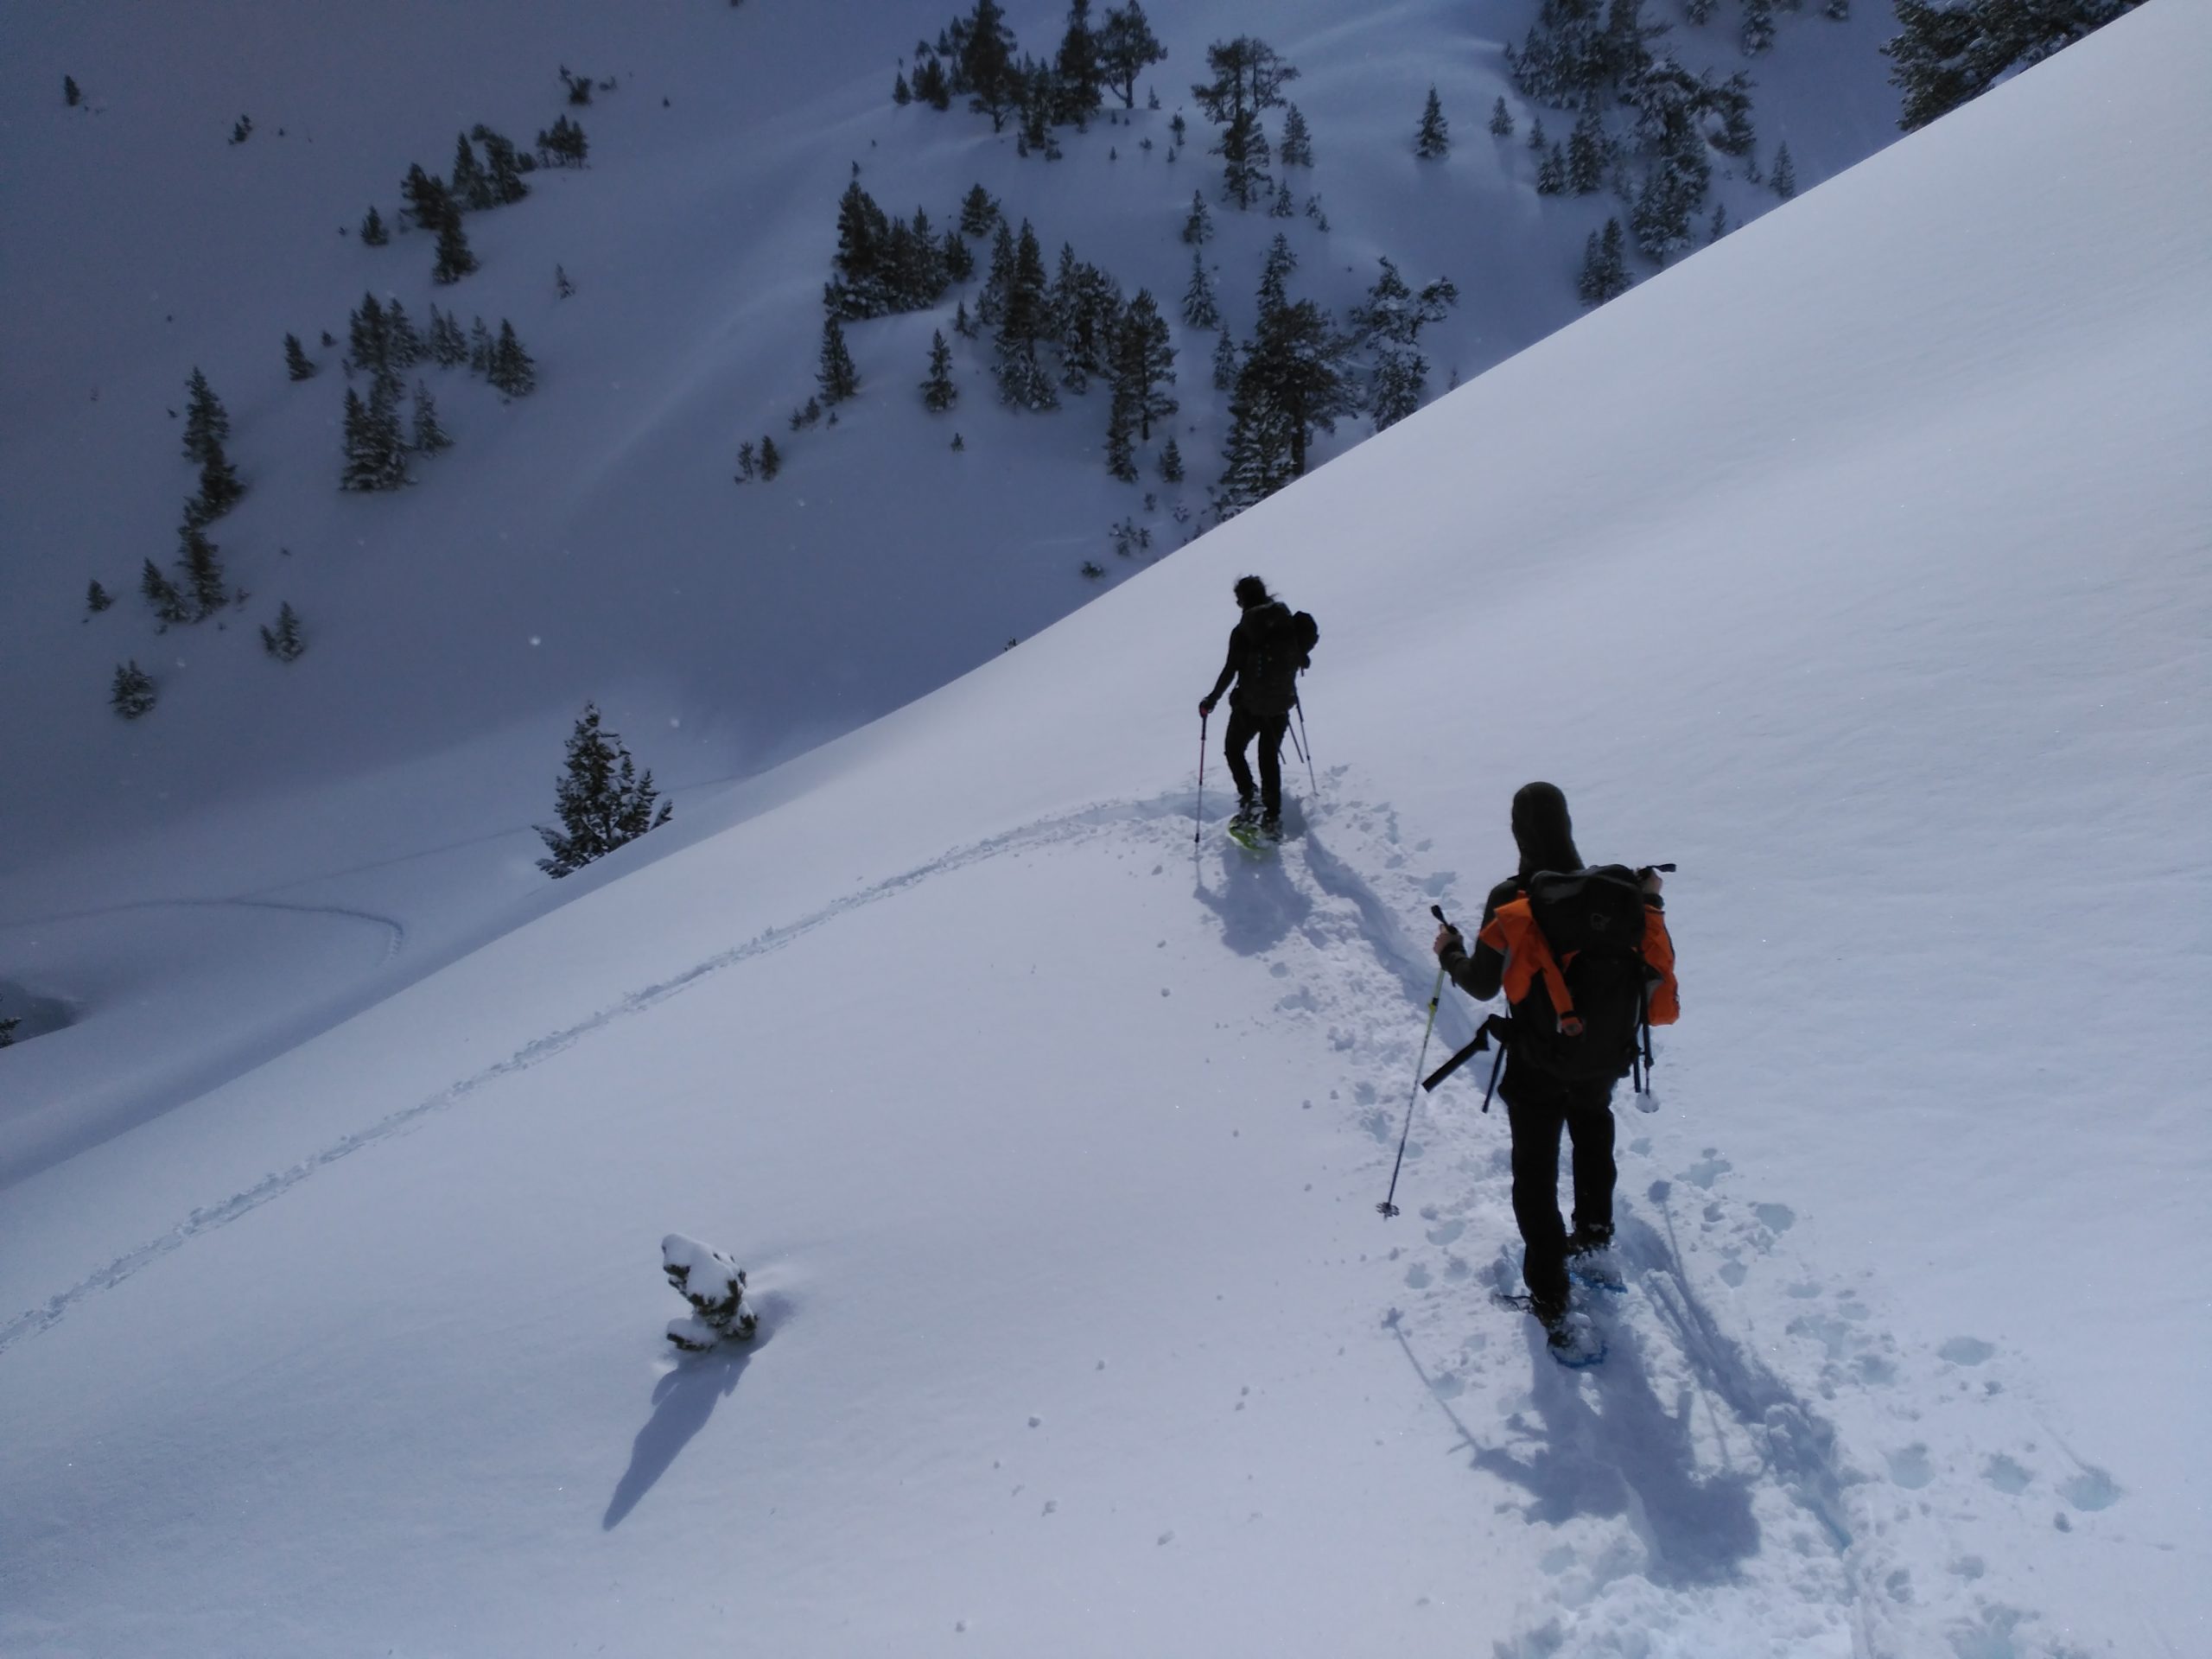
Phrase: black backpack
pixel 1593 921
pixel 1281 648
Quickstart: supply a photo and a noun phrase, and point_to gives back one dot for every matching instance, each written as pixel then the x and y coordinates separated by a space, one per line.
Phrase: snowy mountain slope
pixel 1054 1159
pixel 588 541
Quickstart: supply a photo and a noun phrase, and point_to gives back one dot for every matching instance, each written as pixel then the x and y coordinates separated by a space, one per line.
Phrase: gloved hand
pixel 1205 706
pixel 1446 936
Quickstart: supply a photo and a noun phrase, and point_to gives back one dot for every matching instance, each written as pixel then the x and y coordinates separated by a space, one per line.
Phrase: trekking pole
pixel 1387 1208
pixel 1305 745
pixel 1199 806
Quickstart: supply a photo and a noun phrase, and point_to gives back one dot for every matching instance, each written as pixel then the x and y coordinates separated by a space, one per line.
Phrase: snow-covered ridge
pixel 1876 540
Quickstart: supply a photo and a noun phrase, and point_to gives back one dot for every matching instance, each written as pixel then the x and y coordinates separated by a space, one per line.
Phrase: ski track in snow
pixel 394 931
pixel 1698 1494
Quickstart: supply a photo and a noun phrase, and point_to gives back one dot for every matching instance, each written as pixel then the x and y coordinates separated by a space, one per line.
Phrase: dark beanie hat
pixel 1251 591
pixel 1542 830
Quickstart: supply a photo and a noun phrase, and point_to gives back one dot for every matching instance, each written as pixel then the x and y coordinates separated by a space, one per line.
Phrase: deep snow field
pixel 1858 565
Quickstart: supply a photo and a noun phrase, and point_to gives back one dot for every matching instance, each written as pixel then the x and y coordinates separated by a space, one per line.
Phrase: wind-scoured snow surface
pixel 1859 566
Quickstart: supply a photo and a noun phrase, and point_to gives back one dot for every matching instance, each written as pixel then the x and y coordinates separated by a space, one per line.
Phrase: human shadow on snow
pixel 1257 902
pixel 1612 1448
pixel 683 1400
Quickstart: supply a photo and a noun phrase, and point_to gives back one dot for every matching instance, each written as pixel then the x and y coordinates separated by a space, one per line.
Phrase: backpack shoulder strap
pixel 1513 933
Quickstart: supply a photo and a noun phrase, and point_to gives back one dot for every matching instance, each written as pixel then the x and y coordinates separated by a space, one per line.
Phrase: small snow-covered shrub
pixel 715 1286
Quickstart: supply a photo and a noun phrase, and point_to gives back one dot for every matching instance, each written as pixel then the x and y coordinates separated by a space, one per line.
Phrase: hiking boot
pixel 1248 811
pixel 1588 1238
pixel 1271 826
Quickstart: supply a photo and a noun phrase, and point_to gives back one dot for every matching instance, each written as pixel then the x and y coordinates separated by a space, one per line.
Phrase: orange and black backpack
pixel 1589 970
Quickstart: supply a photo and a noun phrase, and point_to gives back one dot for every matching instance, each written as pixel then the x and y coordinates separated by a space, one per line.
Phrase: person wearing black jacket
pixel 1263 660
pixel 1537 1104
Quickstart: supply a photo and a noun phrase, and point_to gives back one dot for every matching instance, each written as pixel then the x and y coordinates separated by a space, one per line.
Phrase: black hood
pixel 1542 830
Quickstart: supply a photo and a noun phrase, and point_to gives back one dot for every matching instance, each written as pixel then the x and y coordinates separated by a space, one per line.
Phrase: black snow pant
pixel 1269 729
pixel 1537 1106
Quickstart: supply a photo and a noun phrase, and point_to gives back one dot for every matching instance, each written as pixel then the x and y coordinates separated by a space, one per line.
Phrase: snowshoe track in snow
pixel 1703 1502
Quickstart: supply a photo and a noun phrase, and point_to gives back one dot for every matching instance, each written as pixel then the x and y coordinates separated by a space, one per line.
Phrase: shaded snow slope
pixel 1877 541
pixel 589 542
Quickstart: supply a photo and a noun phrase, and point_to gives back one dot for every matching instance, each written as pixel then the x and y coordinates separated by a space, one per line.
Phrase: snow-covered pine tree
pixel 563 144
pixel 995 83
pixel 9 1021
pixel 454 259
pixel 206 422
pixel 1198 224
pixel 715 1287
pixel 1784 174
pixel 1396 384
pixel 71 94
pixel 955 257
pixel 96 598
pixel 963 324
pixel 405 346
pixel 1201 309
pixel 1296 148
pixel 939 391
pixel 1083 309
pixel 1022 380
pixel 1224 362
pixel 219 488
pixel 1248 76
pixel 449 345
pixel 504 166
pixel 901 93
pixel 1283 206
pixel 1294 379
pixel 1501 119
pixel 427 200
pixel 1537 142
pixel 931 84
pixel 1757 34
pixel 480 348
pixel 376 452
pixel 1604 266
pixel 1721 226
pixel 1171 462
pixel 1551 173
pixel 1079 78
pixel 283 641
pixel 131 693
pixel 1144 363
pixel 1586 152
pixel 979 212
pixel 374 233
pixel 1121 431
pixel 162 596
pixel 470 184
pixel 197 563
pixel 602 801
pixel 1946 51
pixel 513 370
pixel 771 459
pixel 833 371
pixel 368 337
pixel 428 436
pixel 1433 138
pixel 1126 49
pixel 296 364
